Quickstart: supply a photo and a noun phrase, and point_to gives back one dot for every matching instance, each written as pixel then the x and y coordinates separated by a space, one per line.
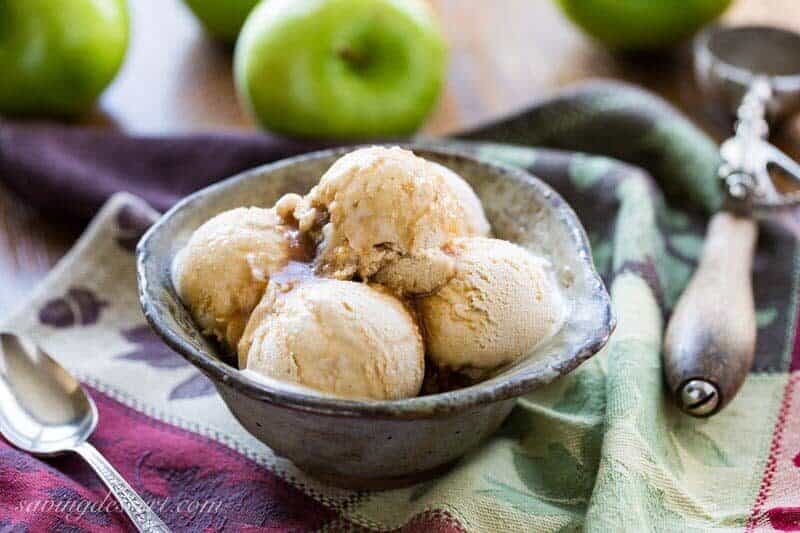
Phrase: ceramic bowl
pixel 371 444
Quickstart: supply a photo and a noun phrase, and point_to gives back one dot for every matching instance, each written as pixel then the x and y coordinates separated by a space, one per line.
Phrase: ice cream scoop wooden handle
pixel 711 336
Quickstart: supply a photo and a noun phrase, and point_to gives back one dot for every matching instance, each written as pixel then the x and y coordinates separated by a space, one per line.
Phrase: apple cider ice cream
pixel 397 272
pixel 223 270
pixel 345 338
pixel 384 204
pixel 501 303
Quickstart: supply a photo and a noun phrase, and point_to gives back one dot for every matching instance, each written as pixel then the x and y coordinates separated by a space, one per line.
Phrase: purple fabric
pixel 71 171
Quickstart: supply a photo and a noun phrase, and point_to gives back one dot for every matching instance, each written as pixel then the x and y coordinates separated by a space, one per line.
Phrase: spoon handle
pixel 134 506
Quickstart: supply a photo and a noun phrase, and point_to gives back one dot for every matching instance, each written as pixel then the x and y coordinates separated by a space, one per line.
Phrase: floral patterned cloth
pixel 599 450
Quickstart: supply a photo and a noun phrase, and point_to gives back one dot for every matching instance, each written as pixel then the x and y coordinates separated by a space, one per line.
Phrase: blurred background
pixel 503 55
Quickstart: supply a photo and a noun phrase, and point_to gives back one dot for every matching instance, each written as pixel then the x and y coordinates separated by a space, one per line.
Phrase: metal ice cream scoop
pixel 711 337
pixel 45 411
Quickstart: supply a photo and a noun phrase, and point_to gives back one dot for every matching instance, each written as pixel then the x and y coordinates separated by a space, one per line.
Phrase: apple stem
pixel 354 57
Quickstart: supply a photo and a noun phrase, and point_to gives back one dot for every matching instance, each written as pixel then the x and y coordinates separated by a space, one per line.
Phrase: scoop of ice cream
pixel 339 337
pixel 382 204
pixel 474 216
pixel 501 302
pixel 223 270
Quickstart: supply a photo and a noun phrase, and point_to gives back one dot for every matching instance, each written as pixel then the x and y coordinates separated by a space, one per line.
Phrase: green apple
pixel 222 18
pixel 642 24
pixel 343 69
pixel 57 56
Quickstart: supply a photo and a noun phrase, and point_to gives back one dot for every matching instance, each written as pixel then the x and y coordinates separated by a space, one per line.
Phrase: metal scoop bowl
pixel 728 60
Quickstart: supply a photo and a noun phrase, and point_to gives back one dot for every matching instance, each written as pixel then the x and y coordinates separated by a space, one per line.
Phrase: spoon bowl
pixel 43 409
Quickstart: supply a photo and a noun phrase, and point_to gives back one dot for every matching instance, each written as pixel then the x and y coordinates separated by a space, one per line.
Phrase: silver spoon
pixel 46 412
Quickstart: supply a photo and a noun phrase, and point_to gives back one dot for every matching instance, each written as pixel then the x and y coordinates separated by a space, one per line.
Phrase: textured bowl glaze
pixel 371 444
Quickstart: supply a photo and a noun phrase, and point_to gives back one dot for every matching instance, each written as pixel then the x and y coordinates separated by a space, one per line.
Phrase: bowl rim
pixel 433 405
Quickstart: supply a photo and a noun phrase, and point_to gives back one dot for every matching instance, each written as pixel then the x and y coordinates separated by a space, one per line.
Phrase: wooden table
pixel 504 55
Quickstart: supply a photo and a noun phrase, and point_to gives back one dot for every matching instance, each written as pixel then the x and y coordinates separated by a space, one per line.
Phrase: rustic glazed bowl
pixel 374 444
